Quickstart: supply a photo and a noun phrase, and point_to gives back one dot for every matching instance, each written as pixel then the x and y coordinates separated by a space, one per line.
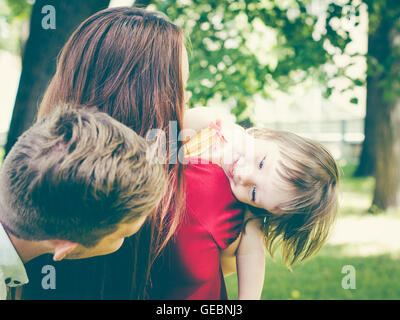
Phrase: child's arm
pixel 246 256
pixel 228 258
pixel 251 262
pixel 201 117
pixel 196 119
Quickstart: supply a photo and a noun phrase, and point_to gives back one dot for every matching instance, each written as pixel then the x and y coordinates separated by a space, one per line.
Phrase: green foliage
pixel 243 48
pixel 384 53
pixel 13 14
pixel 1 156
pixel 354 100
pixel 19 9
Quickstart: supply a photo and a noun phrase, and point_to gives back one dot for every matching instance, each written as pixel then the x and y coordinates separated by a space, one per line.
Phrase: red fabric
pixel 212 222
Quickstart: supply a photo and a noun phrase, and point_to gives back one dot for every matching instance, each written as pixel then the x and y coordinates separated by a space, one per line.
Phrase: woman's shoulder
pixel 210 200
pixel 207 182
pixel 198 167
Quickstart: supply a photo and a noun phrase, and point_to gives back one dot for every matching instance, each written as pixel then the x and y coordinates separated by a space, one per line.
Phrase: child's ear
pixel 62 248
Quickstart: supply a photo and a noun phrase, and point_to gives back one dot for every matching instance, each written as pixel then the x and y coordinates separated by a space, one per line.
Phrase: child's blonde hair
pixel 302 224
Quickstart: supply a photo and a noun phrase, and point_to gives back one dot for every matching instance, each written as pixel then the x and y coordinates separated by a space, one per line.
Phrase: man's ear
pixel 62 248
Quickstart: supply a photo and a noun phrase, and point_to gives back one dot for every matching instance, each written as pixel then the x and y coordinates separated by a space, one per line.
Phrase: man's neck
pixel 28 250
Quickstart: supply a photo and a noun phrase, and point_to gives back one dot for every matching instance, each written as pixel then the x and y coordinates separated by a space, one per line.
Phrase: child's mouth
pixel 231 168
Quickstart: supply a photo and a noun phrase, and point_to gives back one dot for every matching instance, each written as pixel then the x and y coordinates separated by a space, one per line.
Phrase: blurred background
pixel 328 70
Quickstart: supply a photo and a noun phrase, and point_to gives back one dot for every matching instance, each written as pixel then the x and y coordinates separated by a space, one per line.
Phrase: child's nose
pixel 245 175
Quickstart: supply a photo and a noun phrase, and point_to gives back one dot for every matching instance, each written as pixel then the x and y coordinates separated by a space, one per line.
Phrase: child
pixel 289 183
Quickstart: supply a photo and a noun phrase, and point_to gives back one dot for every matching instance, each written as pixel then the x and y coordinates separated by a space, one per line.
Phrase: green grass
pixel 320 278
pixel 355 193
pixel 1 156
pixel 349 183
pixel 377 277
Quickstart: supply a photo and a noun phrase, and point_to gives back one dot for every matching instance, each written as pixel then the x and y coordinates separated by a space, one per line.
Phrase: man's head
pixel 79 181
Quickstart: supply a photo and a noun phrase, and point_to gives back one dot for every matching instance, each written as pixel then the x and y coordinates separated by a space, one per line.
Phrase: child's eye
pixel 261 163
pixel 253 194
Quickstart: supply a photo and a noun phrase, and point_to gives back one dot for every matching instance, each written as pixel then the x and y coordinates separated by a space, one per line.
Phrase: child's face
pixel 253 176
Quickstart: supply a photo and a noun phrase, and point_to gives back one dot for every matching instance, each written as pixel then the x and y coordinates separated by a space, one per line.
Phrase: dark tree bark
pixel 366 165
pixel 387 135
pixel 387 172
pixel 381 152
pixel 39 58
pixel 378 50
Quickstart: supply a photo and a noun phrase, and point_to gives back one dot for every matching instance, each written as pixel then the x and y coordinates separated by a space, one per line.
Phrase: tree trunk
pixel 387 172
pixel 39 58
pixel 381 149
pixel 378 50
pixel 366 165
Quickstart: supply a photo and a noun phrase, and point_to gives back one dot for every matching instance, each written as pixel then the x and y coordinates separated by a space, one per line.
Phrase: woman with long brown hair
pixel 131 64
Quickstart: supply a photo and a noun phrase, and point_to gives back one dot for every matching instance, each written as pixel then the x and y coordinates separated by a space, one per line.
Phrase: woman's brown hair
pixel 301 225
pixel 127 62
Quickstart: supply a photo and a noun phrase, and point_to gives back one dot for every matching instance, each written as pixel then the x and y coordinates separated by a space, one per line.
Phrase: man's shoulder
pixel 12 269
